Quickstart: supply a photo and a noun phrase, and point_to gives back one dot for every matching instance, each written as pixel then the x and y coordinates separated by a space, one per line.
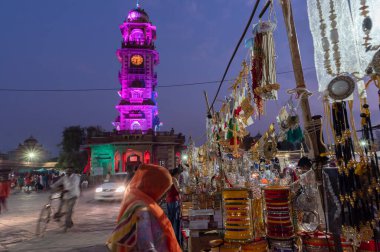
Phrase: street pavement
pixel 93 222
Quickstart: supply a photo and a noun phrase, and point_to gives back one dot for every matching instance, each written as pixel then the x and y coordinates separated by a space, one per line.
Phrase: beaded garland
pixel 325 41
pixel 334 36
pixel 367 27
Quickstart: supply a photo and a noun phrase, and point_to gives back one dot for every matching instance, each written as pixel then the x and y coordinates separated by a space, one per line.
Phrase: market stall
pixel 244 195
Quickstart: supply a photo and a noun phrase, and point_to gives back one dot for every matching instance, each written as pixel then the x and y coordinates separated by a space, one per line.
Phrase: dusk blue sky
pixel 69 44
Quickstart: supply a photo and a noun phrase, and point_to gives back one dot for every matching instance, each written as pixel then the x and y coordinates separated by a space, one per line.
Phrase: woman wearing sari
pixel 142 224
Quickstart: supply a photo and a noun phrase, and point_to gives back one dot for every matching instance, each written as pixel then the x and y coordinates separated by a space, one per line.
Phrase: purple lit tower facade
pixel 138 57
pixel 137 139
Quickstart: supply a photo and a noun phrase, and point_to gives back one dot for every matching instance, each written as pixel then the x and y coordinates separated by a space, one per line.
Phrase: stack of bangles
pixel 238 223
pixel 278 219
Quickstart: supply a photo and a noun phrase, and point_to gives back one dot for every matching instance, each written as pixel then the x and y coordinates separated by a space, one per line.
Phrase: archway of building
pixel 117 161
pixel 136 126
pixel 133 163
pixel 131 160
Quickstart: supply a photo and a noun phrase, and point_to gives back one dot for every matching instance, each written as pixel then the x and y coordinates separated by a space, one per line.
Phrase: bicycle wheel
pixel 43 220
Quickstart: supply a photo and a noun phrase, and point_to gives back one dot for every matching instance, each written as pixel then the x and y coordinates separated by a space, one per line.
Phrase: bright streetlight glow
pixel 363 143
pixel 31 155
pixel 184 157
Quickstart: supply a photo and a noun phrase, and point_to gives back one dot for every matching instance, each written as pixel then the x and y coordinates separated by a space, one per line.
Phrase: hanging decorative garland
pixel 257 71
pixel 325 41
pixel 263 65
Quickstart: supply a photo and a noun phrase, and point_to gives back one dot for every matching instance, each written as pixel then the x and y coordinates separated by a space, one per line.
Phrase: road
pixel 93 222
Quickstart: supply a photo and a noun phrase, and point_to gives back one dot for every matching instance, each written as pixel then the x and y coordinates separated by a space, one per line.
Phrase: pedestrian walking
pixel 173 204
pixel 5 189
pixel 20 182
pixel 41 182
pixel 71 192
pixel 36 182
pixel 45 181
pixel 142 224
pixel 28 183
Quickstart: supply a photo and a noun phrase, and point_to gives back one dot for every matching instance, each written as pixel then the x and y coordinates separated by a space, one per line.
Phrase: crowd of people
pixel 36 182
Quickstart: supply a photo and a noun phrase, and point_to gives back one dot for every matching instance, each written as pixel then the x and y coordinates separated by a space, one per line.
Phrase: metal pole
pixel 311 124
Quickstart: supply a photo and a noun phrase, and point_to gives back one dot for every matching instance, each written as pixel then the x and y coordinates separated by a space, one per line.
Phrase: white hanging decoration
pixel 335 49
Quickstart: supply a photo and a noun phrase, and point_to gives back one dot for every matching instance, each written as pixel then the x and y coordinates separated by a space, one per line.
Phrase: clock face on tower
pixel 137 60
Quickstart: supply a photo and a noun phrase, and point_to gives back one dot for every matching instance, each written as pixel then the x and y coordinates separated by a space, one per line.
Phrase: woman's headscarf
pixel 148 185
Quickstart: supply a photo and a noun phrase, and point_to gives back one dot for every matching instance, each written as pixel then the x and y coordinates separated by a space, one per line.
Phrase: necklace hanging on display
pixel 341 87
pixel 373 70
pixel 374 66
pixel 367 24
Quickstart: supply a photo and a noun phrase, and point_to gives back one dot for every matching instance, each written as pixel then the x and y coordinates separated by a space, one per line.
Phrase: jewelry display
pixel 263 65
pixel 349 182
pixel 268 144
pixel 325 40
pixel 237 211
pixel 334 36
pixel 266 198
pixel 278 209
pixel 289 124
pixel 373 70
pixel 367 24
pixel 341 87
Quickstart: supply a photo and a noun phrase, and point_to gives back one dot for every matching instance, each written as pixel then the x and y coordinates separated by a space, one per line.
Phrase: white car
pixel 112 189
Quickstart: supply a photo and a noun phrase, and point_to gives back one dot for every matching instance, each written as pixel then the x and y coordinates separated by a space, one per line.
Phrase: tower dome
pixel 31 141
pixel 138 15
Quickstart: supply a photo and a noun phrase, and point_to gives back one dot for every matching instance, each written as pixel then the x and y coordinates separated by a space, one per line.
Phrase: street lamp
pixel 31 155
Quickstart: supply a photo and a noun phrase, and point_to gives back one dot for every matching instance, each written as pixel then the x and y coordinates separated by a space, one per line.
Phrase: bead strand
pixel 325 40
pixel 334 36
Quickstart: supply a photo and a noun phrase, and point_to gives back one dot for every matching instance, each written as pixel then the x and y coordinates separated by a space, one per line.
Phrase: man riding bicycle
pixel 71 192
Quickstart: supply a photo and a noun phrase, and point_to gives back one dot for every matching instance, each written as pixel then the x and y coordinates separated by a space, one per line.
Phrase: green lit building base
pixel 116 152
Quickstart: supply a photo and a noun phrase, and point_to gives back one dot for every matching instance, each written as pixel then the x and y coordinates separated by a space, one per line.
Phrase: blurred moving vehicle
pixel 112 189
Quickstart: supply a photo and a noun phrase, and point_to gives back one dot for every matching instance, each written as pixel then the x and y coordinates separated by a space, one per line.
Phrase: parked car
pixel 112 189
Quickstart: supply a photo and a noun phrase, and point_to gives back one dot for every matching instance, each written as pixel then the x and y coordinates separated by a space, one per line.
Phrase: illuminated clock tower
pixel 138 57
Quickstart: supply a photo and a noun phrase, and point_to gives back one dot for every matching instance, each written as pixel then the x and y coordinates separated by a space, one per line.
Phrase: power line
pixel 56 90
pixel 233 54
pixel 115 89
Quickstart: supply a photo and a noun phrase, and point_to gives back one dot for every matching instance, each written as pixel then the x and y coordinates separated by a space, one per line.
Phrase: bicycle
pixel 46 214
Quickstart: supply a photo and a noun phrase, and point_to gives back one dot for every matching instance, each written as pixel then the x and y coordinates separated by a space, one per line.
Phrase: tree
pixel 72 138
pixel 71 154
pixel 94 131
